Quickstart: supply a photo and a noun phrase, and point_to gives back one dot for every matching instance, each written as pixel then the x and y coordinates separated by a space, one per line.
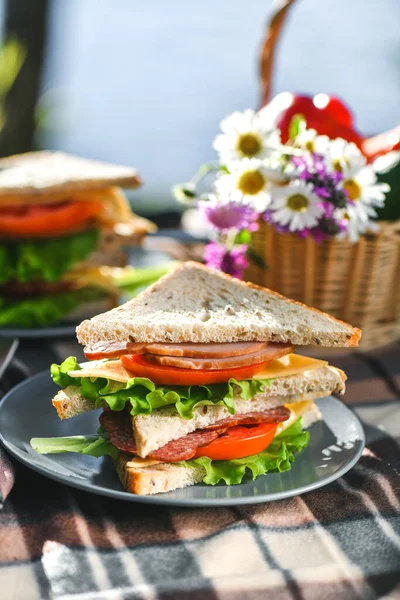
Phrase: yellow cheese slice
pixel 92 277
pixel 109 369
pixel 297 409
pixel 291 364
pixel 141 463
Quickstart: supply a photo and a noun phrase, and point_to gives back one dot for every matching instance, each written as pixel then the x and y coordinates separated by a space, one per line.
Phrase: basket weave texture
pixel 358 283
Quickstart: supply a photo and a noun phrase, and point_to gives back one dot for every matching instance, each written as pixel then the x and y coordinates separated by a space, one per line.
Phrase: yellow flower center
pixel 352 188
pixel 309 145
pixel 337 165
pixel 249 144
pixel 297 203
pixel 251 182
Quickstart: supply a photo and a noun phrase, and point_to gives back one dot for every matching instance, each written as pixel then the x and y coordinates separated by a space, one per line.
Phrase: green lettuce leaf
pixel 44 311
pixel 132 280
pixel 278 457
pixel 45 260
pixel 145 396
pixel 93 445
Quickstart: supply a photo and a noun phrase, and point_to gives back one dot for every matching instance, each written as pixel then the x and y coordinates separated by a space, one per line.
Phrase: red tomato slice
pixel 239 442
pixel 139 366
pixel 38 220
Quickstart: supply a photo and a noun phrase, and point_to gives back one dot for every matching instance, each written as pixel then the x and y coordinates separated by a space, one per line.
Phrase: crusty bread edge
pixel 18 160
pixel 153 480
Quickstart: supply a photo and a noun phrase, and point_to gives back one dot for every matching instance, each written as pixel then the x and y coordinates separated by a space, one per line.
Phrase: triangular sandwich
pixel 199 380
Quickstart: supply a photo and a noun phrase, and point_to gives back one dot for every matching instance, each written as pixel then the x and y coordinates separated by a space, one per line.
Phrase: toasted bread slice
pixel 193 303
pixel 166 477
pixel 38 174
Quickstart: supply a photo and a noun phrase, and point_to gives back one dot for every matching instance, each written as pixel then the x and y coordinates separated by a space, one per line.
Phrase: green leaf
pixel 278 457
pixel 130 278
pixel 144 396
pixel 94 445
pixel 297 125
pixel 59 373
pixel 243 237
pixel 46 260
pixel 44 311
pixel 256 258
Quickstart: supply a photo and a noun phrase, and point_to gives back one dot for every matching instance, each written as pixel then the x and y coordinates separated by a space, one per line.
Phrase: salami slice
pixel 185 448
pixel 274 415
pixel 119 427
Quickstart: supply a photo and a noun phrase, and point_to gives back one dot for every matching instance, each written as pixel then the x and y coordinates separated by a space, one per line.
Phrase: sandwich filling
pixel 231 408
pixel 52 248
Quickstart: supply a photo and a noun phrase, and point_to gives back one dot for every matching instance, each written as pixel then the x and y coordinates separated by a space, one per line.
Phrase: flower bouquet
pixel 311 186
pixel 295 202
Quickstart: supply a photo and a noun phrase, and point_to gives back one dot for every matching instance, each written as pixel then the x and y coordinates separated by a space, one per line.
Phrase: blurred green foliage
pixel 391 210
pixel 12 57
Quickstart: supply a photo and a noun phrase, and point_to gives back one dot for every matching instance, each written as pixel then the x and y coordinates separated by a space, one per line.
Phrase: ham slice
pixel 116 349
pixel 119 427
pixel 269 352
pixel 206 350
pixel 112 350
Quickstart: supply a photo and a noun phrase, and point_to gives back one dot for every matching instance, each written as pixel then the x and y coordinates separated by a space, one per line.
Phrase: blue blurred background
pixel 146 83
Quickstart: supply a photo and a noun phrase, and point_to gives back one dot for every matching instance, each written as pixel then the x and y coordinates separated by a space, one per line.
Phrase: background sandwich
pixel 199 381
pixel 61 219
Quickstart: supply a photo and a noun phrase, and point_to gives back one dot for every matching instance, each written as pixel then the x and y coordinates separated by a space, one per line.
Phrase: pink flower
pixel 233 262
pixel 229 215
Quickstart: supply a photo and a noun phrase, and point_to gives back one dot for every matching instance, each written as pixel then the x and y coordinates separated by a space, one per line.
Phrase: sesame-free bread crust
pixel 36 174
pixel 194 303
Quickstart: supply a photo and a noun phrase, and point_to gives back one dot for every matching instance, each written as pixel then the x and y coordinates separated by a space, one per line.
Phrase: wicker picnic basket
pixel 358 283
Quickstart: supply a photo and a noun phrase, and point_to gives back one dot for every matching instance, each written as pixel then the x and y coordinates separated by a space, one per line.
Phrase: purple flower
pixel 312 169
pixel 233 261
pixel 229 215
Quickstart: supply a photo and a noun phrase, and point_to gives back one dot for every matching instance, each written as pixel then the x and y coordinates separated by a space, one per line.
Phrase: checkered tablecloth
pixel 340 542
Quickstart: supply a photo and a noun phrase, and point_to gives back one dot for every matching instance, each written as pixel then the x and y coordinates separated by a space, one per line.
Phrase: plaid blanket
pixel 340 542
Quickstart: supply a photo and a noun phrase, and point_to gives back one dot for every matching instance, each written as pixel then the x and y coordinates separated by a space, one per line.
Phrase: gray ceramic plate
pixel 26 411
pixel 45 332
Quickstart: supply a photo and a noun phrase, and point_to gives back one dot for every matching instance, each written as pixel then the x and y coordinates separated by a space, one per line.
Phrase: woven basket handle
pixel 269 46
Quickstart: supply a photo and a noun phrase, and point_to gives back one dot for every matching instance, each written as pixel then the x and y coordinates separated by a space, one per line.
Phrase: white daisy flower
pixel 246 135
pixel 342 153
pixel 248 183
pixel 361 185
pixel 359 221
pixel 296 206
pixel 312 142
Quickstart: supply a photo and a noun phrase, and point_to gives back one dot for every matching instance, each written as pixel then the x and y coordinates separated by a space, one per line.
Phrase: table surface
pixel 342 541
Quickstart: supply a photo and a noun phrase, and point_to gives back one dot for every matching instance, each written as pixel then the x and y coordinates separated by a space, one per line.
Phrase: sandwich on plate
pixel 199 380
pixel 61 219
